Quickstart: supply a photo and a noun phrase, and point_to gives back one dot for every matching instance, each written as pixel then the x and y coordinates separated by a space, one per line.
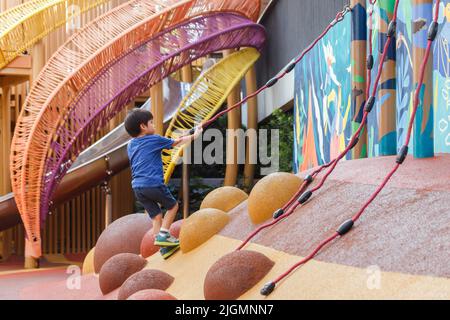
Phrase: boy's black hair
pixel 134 119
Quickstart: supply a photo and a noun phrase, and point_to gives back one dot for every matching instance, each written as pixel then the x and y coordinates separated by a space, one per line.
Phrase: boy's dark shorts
pixel 154 198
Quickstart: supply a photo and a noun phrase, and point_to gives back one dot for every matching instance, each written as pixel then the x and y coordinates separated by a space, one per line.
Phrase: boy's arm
pixel 188 138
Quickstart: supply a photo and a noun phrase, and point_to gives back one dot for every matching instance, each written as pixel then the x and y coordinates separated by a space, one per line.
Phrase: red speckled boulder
pixel 234 274
pixel 122 236
pixel 119 268
pixel 147 245
pixel 151 294
pixel 175 228
pixel 145 279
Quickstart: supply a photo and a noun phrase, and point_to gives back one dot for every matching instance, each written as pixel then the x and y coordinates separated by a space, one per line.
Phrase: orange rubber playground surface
pixel 319 133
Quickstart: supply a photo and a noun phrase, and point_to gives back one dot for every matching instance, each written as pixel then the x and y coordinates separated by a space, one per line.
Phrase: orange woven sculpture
pixel 69 71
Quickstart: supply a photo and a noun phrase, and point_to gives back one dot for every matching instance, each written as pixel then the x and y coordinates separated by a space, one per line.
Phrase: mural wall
pixel 441 82
pixel 323 114
pixel 433 117
pixel 381 124
pixel 322 99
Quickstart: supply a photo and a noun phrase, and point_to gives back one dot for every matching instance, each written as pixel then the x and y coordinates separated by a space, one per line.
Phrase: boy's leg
pixel 170 217
pixel 150 197
pixel 143 195
pixel 157 222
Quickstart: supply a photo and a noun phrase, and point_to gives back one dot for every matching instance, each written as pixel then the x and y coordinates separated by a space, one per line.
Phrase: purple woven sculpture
pixel 118 84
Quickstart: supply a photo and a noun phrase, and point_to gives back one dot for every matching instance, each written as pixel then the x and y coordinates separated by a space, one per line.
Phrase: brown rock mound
pixel 225 198
pixel 151 294
pixel 122 236
pixel 119 268
pixel 175 228
pixel 145 279
pixel 234 274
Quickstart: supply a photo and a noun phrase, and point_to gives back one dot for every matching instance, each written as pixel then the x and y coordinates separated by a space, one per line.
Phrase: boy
pixel 144 153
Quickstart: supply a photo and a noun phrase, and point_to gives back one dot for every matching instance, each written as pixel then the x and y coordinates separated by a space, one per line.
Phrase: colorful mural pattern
pixel 322 98
pixel 382 136
pixel 441 82
pixel 323 116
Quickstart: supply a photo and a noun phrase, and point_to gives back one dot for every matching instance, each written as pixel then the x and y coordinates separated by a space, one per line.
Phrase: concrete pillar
pixel 423 131
pixel 386 98
pixel 359 71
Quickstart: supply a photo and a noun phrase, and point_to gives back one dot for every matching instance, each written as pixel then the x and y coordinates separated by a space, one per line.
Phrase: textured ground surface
pixel 406 229
pixel 404 238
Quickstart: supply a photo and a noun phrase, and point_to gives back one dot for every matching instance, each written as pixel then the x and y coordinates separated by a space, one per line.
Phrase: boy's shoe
pixel 166 252
pixel 166 241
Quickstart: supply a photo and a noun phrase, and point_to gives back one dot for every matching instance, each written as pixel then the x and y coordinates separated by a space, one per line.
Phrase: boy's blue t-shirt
pixel 145 160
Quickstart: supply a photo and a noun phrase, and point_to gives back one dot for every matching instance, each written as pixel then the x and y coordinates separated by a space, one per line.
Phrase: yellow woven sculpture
pixel 25 24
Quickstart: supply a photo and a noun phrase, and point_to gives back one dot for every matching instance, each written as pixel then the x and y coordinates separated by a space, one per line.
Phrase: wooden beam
pixel 21 62
pixel 252 126
pixel 38 60
pixel 234 123
pixel 156 93
pixel 6 139
pixel 186 76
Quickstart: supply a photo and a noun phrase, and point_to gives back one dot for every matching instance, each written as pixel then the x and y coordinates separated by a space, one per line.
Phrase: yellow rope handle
pixel 25 24
pixel 205 98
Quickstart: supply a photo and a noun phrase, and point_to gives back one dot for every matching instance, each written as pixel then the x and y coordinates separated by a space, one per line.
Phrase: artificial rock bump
pixel 224 198
pixel 119 268
pixel 151 294
pixel 122 236
pixel 235 273
pixel 200 227
pixel 270 194
pixel 88 263
pixel 147 245
pixel 143 280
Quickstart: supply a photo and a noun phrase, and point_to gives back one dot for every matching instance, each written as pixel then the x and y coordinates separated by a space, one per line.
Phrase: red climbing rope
pixel 348 225
pixel 339 17
pixel 282 213
pixel 288 209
